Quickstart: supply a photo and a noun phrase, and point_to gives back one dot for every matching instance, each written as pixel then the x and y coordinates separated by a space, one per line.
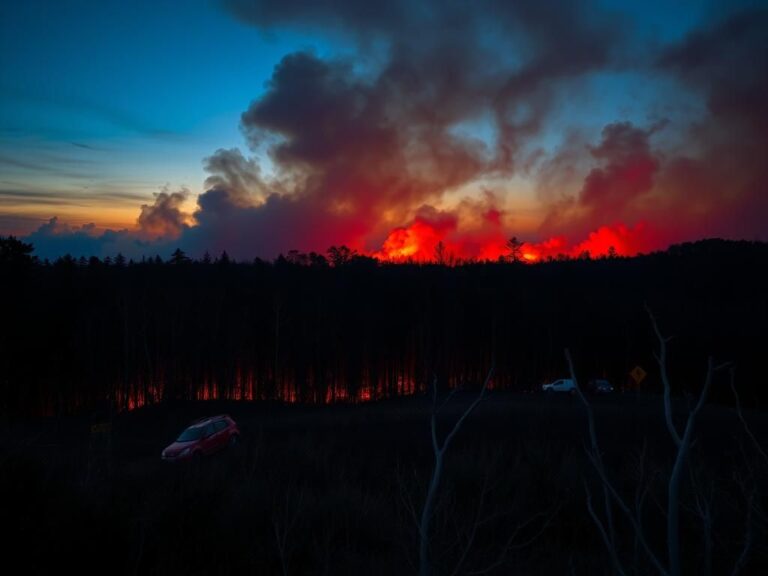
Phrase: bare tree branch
pixel 425 566
pixel 594 455
pixel 741 561
pixel 661 358
pixel 683 444
pixel 609 544
pixel 673 488
pixel 473 531
pixel 703 509
pixel 743 420
pixel 510 545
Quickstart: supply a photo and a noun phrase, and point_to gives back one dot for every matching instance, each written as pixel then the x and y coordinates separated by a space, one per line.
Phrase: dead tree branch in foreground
pixel 682 442
pixel 439 449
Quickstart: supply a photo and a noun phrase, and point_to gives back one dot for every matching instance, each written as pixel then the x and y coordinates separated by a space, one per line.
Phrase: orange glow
pixel 416 242
pixel 246 387
pixel 616 240
pixel 439 240
pixel 420 242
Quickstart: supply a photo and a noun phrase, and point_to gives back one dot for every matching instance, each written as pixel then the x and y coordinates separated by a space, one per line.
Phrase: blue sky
pixel 106 102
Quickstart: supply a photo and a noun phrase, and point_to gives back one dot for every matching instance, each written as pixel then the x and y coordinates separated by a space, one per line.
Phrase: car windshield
pixel 190 434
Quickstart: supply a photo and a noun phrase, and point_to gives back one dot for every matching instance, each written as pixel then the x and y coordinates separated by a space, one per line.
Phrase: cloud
pixel 55 238
pixel 159 226
pixel 164 219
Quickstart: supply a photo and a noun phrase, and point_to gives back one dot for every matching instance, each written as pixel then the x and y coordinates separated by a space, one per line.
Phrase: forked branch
pixel 439 449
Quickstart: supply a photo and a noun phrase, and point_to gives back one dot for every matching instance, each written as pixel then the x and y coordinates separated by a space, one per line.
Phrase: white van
pixel 562 385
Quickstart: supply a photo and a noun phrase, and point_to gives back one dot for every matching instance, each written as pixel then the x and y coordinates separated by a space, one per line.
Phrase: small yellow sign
pixel 638 374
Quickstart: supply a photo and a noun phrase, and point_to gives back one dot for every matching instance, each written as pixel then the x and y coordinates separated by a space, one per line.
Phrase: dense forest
pixel 77 334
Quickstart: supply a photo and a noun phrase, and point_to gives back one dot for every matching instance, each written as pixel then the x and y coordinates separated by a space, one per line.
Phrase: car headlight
pixel 185 451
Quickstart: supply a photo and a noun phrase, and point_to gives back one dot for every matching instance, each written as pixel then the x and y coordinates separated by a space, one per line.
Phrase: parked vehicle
pixel 600 386
pixel 564 385
pixel 203 437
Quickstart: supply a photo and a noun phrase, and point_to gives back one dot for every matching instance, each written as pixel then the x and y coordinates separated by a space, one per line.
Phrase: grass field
pixel 337 489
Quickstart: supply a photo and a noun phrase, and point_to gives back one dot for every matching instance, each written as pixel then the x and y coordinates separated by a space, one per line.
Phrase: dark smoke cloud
pixel 357 150
pixel 238 177
pixel 628 168
pixel 723 190
pixel 613 191
pixel 729 62
pixel 717 184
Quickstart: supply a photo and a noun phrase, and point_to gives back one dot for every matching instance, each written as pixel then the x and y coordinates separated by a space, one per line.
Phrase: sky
pixel 259 127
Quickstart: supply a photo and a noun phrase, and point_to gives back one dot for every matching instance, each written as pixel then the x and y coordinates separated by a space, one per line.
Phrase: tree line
pixel 79 332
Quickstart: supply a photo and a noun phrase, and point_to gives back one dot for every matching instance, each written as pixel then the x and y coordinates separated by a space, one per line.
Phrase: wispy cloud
pixel 121 119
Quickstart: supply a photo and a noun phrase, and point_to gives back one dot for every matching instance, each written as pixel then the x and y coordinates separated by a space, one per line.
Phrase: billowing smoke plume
pixel 716 184
pixel 723 189
pixel 367 151
pixel 360 148
pixel 616 190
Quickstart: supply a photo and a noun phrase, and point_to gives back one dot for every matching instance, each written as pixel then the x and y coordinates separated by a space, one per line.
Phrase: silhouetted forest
pixel 342 327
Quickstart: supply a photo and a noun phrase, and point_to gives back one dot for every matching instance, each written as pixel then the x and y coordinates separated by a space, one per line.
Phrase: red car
pixel 203 437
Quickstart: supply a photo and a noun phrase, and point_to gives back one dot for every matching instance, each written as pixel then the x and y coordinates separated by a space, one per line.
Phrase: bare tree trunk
pixel 683 445
pixel 439 450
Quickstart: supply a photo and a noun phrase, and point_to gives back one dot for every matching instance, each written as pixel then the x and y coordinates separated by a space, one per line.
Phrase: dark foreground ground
pixel 337 490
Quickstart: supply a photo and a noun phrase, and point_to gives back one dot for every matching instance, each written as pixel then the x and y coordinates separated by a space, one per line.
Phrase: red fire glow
pixel 617 240
pixel 424 241
pixel 417 242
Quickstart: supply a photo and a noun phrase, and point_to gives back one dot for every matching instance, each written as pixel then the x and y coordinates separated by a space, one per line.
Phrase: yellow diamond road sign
pixel 638 374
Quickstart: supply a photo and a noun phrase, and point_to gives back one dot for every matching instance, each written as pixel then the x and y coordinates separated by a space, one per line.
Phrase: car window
pixel 209 429
pixel 220 425
pixel 190 434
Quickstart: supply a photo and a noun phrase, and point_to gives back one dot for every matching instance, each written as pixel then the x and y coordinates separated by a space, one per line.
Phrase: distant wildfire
pixel 424 241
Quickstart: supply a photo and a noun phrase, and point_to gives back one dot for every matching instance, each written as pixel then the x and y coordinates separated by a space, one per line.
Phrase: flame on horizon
pixel 424 242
